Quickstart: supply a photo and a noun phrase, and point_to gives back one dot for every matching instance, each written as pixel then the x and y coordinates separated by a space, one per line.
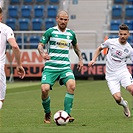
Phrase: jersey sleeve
pixel 9 33
pixel 74 40
pixel 105 44
pixel 46 37
pixel 131 55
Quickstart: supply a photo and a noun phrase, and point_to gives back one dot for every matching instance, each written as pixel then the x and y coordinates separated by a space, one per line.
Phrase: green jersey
pixel 58 44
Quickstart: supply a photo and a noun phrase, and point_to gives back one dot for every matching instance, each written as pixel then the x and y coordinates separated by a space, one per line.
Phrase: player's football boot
pixel 126 110
pixel 71 119
pixel 47 118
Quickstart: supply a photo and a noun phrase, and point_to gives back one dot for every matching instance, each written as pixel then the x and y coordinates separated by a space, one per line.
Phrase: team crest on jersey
pixel 126 50
pixel 118 52
pixel 62 44
pixel 56 35
pixel 68 37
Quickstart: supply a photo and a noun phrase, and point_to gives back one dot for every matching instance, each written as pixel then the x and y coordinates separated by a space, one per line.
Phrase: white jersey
pixel 5 33
pixel 117 55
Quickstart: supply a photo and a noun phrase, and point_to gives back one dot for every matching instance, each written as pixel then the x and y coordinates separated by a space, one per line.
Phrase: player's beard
pixel 123 40
pixel 62 27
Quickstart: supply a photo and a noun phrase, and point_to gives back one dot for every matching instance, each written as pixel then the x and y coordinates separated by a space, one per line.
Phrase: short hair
pixel 62 11
pixel 123 27
pixel 0 10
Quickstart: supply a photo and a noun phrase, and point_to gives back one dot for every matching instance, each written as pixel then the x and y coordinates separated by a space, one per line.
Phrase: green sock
pixel 68 102
pixel 46 105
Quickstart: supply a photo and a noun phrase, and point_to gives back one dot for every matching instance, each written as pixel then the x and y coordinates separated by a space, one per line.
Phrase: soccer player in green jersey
pixel 58 40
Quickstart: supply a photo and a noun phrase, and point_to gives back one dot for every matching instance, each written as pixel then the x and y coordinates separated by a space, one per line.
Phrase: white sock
pixel 123 103
pixel 1 103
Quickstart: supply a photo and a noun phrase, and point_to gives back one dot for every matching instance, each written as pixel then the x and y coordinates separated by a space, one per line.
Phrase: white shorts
pixel 117 80
pixel 2 83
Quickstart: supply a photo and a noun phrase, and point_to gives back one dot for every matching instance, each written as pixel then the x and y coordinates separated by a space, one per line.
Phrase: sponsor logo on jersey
pixel 62 44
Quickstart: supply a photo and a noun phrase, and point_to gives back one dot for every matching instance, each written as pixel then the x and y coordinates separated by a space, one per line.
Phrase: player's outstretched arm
pixel 44 55
pixel 96 54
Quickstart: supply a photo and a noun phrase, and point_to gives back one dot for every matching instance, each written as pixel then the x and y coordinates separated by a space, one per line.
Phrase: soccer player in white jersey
pixel 57 65
pixel 6 34
pixel 117 73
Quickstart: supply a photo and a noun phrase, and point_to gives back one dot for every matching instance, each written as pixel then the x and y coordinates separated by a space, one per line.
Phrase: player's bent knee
pixel 130 89
pixel 45 87
pixel 72 87
pixel 44 91
pixel 71 90
pixel 117 98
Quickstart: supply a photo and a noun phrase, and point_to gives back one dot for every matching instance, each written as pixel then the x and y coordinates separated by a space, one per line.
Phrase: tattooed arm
pixel 44 55
pixel 78 52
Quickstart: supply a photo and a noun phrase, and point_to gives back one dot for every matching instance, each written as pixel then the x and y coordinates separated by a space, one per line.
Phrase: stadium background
pixel 92 20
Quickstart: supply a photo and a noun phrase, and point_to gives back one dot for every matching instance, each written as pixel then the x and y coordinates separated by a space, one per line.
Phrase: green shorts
pixel 50 78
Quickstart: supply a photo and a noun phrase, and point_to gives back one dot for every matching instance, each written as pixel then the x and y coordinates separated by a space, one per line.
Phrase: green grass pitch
pixel 94 109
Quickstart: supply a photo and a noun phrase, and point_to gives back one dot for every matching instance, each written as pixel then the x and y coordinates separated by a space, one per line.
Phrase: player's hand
pixel 91 63
pixel 80 65
pixel 46 56
pixel 20 72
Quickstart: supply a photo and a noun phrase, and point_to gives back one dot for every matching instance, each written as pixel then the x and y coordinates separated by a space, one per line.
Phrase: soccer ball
pixel 61 117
